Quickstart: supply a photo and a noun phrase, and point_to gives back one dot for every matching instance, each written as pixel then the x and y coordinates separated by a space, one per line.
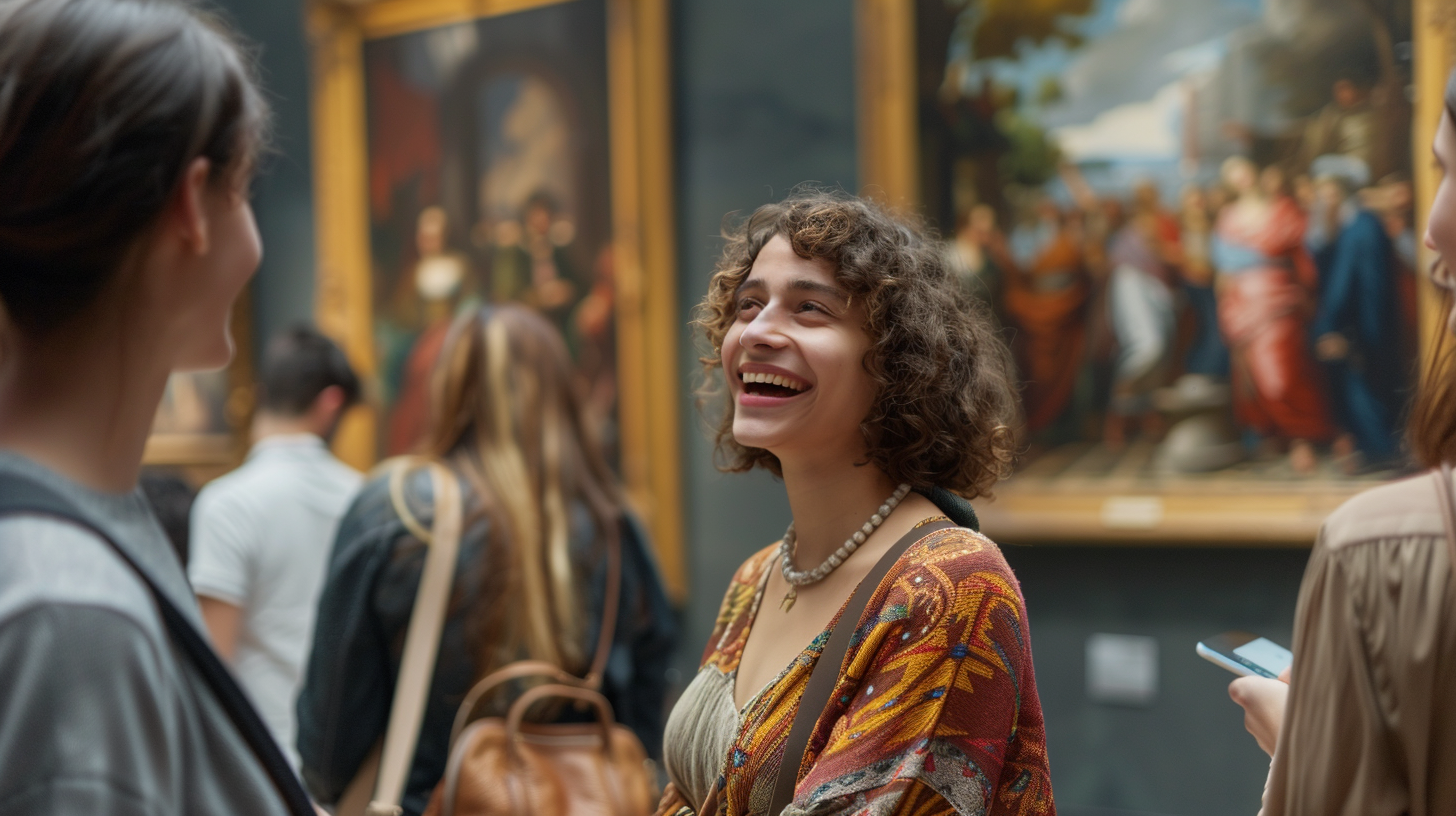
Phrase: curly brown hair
pixel 946 399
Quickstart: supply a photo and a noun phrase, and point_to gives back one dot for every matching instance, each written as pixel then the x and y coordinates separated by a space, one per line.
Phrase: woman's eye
pixel 746 304
pixel 811 306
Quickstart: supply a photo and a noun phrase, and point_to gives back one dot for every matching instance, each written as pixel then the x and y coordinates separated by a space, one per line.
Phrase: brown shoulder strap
pixel 611 603
pixel 826 671
pixel 1448 508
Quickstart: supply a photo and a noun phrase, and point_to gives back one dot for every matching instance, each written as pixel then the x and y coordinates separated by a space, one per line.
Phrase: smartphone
pixel 1246 654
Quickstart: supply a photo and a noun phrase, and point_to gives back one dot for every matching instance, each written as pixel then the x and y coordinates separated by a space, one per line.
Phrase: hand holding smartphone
pixel 1246 655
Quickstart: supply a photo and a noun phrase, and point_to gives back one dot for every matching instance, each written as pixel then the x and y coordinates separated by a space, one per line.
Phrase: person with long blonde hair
pixel 541 505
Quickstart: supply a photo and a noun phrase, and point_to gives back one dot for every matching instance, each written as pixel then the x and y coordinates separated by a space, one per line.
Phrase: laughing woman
pixel 857 372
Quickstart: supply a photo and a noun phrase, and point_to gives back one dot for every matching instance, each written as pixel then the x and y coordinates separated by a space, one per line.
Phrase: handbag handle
pixel 422 638
pixel 534 695
pixel 514 671
pixel 825 675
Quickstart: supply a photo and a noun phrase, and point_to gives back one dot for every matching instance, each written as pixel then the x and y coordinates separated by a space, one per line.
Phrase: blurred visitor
pixel 261 534
pixel 170 496
pixel 1366 724
pixel 540 504
pixel 129 133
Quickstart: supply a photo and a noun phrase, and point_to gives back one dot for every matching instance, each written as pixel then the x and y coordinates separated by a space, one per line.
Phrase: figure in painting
pixel 1264 282
pixel 536 269
pixel 1143 318
pixel 971 256
pixel 440 279
pixel 1207 355
pixel 1344 127
pixel 1045 298
pixel 1356 328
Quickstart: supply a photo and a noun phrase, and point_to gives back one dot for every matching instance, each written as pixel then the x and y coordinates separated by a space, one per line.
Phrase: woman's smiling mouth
pixel 764 387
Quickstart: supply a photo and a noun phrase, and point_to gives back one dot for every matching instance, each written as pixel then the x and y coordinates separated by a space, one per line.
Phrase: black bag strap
pixel 825 675
pixel 19 495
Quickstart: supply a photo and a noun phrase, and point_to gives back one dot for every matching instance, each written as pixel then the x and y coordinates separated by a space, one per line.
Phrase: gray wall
pixel 764 100
pixel 283 195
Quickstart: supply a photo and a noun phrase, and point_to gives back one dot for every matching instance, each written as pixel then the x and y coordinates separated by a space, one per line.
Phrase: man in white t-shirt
pixel 261 535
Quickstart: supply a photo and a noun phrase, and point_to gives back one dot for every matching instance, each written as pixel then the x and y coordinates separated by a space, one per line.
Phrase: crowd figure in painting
pixel 1297 292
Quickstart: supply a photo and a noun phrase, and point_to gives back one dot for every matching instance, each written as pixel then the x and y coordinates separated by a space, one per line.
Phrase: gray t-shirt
pixel 100 714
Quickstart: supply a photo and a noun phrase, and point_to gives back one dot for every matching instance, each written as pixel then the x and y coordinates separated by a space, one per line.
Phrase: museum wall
pixel 764 98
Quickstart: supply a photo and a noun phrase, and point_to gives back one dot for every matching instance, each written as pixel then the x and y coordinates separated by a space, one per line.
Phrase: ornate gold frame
pixel 1110 510
pixel 642 216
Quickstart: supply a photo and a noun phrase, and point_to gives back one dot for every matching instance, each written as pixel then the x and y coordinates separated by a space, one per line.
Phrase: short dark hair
pixel 298 365
pixel 946 399
pixel 103 105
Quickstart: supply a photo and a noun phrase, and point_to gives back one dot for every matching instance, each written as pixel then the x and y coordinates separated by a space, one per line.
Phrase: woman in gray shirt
pixel 128 135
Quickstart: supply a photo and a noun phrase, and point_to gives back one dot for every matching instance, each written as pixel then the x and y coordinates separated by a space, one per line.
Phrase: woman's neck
pixel 829 503
pixel 81 403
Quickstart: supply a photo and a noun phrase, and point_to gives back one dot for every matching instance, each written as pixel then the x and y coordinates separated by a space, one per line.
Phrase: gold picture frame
pixel 643 252
pixel 202 425
pixel 1123 507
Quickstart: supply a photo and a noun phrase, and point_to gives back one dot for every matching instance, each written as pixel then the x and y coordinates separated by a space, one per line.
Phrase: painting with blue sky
pixel 1163 202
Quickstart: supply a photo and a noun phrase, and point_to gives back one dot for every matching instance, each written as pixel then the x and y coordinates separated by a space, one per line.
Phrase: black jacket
pixel 373 577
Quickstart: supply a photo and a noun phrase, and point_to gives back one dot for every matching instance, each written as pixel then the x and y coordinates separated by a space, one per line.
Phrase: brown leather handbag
pixel 511 767
pixel 502 767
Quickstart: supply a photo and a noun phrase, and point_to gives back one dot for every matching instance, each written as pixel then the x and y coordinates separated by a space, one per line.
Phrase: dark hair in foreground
pixel 946 399
pixel 103 105
pixel 1433 417
pixel 297 366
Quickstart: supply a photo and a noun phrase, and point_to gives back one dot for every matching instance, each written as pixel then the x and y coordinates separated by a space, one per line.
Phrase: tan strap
pixel 421 643
pixel 825 674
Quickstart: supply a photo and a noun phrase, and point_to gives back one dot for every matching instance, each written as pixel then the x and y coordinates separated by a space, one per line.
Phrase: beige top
pixel 1370 727
pixel 699 734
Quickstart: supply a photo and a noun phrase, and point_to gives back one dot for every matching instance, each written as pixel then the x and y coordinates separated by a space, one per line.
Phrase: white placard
pixel 1132 512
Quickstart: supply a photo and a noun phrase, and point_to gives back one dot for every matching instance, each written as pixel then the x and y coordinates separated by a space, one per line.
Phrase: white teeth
pixel 771 379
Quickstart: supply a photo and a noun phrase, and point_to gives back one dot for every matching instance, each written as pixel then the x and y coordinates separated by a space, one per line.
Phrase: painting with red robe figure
pixel 489 183
pixel 1192 220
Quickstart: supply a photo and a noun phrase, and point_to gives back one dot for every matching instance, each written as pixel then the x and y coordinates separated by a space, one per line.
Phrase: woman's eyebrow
pixel 808 285
pixel 797 285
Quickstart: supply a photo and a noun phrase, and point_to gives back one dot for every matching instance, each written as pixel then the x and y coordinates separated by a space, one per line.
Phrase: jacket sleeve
pixel 343 706
pixel 1364 658
pixel 938 709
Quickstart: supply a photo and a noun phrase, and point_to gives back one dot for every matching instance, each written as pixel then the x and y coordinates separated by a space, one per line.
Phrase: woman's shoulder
pixel 956 555
pixel 1408 508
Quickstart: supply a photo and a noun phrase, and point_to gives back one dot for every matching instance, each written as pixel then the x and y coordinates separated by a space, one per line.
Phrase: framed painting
pixel 470 152
pixel 1195 221
pixel 201 426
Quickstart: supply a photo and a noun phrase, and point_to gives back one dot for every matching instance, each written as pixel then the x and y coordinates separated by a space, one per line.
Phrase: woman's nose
pixel 1429 241
pixel 764 330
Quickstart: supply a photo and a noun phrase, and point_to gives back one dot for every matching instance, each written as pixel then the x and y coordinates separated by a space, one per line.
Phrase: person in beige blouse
pixel 1365 723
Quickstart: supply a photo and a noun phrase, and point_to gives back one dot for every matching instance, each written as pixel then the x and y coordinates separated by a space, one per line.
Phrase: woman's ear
pixel 188 212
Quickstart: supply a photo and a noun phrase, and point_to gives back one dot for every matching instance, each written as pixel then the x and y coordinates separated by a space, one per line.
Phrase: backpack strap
pixel 20 495
pixel 825 675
